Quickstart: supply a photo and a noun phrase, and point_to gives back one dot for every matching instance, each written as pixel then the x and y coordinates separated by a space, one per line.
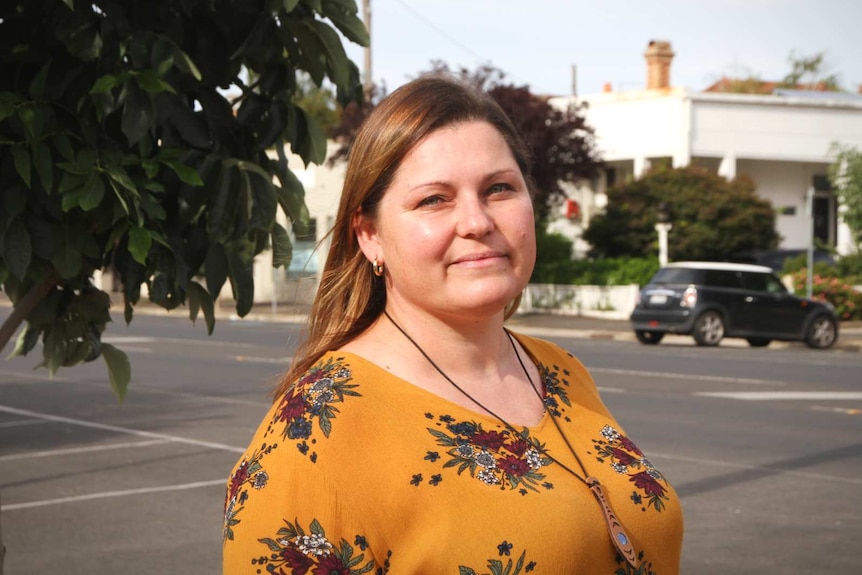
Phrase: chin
pixel 483 301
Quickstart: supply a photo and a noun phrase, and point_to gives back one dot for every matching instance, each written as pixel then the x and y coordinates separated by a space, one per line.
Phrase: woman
pixel 413 432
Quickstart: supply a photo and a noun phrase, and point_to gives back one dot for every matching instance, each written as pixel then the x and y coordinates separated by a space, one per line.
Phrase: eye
pixel 430 201
pixel 500 187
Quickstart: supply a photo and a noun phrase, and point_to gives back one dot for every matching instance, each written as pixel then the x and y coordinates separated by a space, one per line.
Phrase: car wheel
pixel 708 329
pixel 758 341
pixel 822 332
pixel 649 337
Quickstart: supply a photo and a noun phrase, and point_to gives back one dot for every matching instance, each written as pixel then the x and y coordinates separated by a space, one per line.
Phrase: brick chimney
pixel 658 56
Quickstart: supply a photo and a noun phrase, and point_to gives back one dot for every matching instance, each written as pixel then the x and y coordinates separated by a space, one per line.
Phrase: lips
pixel 478 257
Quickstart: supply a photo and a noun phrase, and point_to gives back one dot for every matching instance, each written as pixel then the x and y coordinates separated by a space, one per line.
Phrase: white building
pixel 780 140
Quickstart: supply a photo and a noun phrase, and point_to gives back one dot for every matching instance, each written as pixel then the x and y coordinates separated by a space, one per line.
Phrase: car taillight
pixel 689 297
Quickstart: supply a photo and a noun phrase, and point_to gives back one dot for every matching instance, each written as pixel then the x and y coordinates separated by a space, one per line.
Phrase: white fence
pixel 611 302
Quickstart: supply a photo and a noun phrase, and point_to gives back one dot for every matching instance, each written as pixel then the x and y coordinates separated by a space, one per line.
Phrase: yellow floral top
pixel 354 471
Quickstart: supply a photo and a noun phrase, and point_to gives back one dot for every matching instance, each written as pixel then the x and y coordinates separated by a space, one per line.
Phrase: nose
pixel 474 217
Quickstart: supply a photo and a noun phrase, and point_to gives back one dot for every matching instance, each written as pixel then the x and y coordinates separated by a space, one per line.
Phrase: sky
pixel 536 42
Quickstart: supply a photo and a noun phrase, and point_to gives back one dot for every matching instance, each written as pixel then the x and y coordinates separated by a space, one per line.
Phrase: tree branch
pixel 25 306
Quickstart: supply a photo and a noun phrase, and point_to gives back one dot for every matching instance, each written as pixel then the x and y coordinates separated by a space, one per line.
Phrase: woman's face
pixel 455 228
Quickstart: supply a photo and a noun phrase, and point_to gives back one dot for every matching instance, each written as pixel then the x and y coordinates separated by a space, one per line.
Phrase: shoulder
pixel 547 352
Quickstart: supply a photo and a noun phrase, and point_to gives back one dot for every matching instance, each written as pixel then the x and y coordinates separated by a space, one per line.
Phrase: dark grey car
pixel 714 300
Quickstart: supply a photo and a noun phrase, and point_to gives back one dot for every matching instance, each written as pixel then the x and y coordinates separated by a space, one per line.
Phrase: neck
pixel 456 343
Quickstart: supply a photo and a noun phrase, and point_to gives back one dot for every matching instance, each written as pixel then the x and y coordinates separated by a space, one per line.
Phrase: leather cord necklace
pixel 620 539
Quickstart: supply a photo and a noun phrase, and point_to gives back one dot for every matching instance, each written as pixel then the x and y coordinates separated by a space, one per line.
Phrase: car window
pixel 676 276
pixel 723 278
pixel 762 282
pixel 774 285
pixel 754 282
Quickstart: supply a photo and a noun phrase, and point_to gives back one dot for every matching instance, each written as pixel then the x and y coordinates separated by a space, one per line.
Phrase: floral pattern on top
pixel 313 552
pixel 312 397
pixel 249 473
pixel 556 390
pixel 626 459
pixel 497 567
pixel 495 457
pixel 643 568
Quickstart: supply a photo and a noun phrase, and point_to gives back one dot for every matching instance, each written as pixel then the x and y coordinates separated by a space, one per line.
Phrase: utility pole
pixel 809 273
pixel 366 80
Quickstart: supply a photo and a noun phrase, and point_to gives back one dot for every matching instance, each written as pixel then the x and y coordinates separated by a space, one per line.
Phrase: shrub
pixel 838 292
pixel 607 271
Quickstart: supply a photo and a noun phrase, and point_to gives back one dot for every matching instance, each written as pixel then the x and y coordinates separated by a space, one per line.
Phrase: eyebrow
pixel 445 184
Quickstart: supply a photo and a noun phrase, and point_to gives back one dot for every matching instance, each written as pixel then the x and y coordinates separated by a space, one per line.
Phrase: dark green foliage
pixel 563 145
pixel 845 174
pixel 713 219
pixel 120 148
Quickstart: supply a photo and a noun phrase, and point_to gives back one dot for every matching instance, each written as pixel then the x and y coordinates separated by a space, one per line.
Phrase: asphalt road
pixel 763 445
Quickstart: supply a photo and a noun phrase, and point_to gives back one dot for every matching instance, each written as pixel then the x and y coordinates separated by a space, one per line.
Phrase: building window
pixel 304 262
pixel 825 211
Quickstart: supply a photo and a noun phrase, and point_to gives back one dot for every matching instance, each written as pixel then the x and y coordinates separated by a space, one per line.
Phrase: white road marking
pixel 22 422
pixel 653 457
pixel 687 377
pixel 104 494
pixel 254 359
pixel 127 430
pixel 836 410
pixel 90 449
pixel 785 395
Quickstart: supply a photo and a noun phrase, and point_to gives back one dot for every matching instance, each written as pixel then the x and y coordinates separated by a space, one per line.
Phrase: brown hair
pixel 350 297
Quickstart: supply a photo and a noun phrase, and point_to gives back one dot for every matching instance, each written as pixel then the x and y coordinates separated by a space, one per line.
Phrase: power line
pixel 437 29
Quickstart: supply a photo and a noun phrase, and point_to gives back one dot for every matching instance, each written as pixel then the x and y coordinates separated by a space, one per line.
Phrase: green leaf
pixel 26 341
pixel 22 162
pixel 152 207
pixel 17 250
pixel 289 5
pixel 44 165
pixel 119 369
pixel 186 64
pixel 239 265
pixel 61 142
pixel 200 298
pixel 264 203
pixel 67 260
pixel 216 269
pixel 37 85
pixel 137 113
pixel 27 115
pixel 310 55
pixel 140 242
pixel 222 208
pixel 53 348
pixel 106 83
pixel 312 143
pixel 336 58
pixel 346 22
pixel 149 81
pixel 282 249
pixel 93 193
pixel 291 197
pixel 192 126
pixel 8 102
pixel 186 174
pixel 119 175
pixel 76 352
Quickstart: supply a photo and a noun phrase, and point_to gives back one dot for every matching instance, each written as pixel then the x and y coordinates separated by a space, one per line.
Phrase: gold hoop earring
pixel 377 268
